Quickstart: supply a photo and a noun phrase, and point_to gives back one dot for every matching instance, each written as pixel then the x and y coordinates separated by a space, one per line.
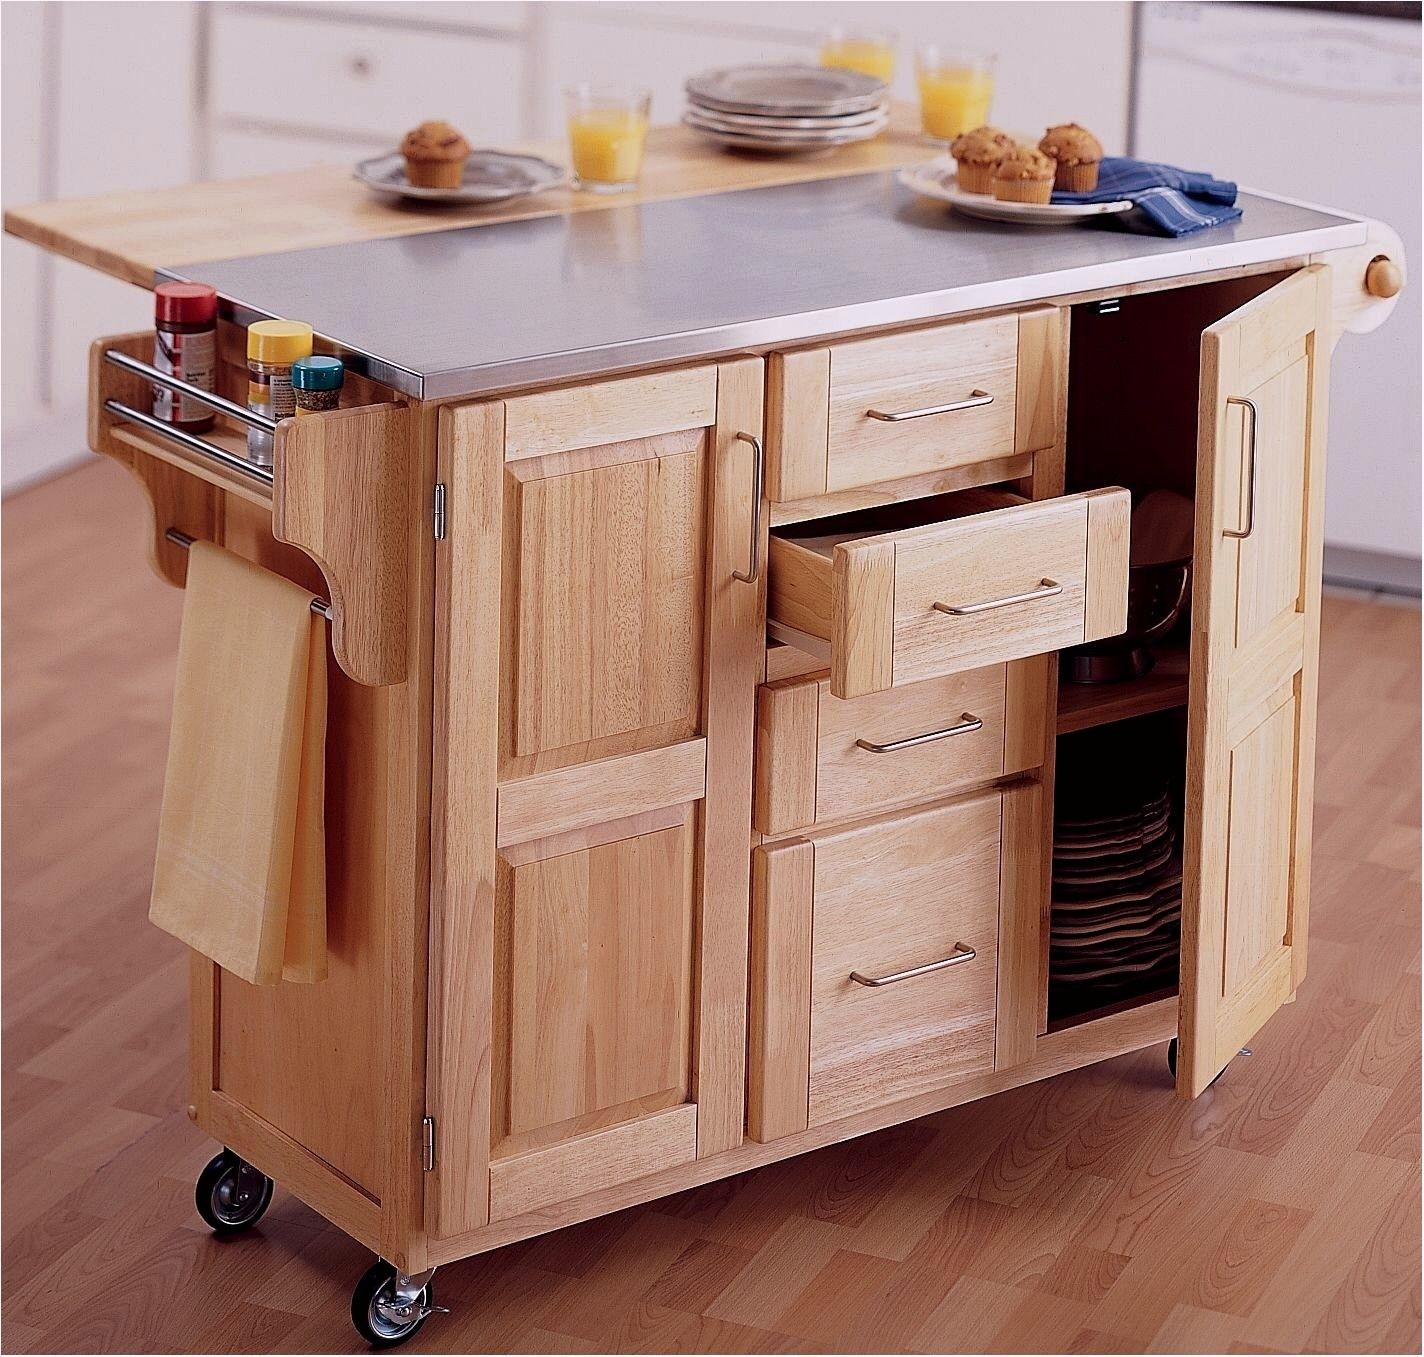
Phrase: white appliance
pixel 1323 106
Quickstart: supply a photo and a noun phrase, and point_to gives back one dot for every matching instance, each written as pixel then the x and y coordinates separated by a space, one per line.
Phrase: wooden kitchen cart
pixel 693 738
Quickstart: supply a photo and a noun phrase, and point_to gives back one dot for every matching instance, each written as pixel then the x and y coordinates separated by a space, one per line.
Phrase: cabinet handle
pixel 967 724
pixel 1251 484
pixel 753 572
pixel 962 953
pixel 1046 589
pixel 895 416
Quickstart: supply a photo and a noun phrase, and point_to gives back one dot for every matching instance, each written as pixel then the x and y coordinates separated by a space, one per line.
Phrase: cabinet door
pixel 598 650
pixel 1255 635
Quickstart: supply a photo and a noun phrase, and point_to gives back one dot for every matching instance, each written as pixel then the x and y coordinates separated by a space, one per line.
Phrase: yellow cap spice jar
pixel 272 347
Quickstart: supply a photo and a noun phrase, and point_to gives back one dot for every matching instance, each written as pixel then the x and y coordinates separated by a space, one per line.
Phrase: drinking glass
pixel 868 50
pixel 956 89
pixel 607 127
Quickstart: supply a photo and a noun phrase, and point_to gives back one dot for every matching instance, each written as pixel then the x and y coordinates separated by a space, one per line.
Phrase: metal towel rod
pixel 181 539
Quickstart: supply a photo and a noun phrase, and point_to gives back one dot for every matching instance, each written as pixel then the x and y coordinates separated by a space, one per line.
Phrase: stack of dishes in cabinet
pixel 1117 891
pixel 786 110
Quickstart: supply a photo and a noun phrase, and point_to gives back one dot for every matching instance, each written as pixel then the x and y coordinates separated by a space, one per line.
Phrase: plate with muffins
pixel 436 164
pixel 998 177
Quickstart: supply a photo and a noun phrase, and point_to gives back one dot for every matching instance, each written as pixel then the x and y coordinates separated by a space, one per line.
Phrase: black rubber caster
pixel 381 1316
pixel 1172 1061
pixel 231 1194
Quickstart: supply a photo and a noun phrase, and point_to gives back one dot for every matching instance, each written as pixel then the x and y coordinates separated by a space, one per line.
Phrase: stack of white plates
pixel 786 109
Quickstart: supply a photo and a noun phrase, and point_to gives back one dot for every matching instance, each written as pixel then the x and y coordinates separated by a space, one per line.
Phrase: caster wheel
pixel 232 1195
pixel 1172 1061
pixel 380 1315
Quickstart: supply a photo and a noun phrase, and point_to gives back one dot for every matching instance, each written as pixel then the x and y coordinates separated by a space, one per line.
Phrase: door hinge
pixel 1109 306
pixel 439 511
pixel 427 1143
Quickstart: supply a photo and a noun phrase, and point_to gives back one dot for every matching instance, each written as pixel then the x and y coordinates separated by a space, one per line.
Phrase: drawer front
pixel 900 607
pixel 924 403
pixel 889 899
pixel 822 759
pixel 973 367
pixel 363 79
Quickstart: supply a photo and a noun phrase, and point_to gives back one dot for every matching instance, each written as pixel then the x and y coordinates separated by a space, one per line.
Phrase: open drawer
pixel 916 590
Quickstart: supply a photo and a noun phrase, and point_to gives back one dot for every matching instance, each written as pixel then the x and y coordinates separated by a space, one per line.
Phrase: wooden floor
pixel 1091 1213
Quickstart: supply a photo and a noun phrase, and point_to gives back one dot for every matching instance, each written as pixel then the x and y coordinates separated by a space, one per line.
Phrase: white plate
pixel 490 177
pixel 735 122
pixel 936 179
pixel 787 91
pixel 781 144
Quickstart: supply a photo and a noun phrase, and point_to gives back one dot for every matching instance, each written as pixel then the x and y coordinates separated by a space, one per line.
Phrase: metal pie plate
pixel 787 91
pixel 936 179
pixel 490 177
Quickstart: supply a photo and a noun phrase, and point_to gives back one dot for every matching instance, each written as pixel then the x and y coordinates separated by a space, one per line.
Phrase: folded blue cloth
pixel 1168 201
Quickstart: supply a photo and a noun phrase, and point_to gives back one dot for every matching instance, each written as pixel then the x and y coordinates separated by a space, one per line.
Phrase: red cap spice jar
pixel 185 335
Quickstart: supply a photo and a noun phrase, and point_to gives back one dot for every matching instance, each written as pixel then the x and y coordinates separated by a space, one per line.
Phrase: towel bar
pixel 181 539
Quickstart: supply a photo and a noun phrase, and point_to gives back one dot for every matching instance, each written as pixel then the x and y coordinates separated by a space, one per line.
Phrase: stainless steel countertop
pixel 482 309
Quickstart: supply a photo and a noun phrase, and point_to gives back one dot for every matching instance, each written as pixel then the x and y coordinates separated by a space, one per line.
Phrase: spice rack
pixel 337 491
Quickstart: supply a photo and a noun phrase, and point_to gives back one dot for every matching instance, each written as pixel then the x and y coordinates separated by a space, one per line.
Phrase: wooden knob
pixel 1383 277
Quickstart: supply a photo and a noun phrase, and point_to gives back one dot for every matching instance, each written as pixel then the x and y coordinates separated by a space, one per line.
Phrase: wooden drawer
pixel 955 582
pixel 822 759
pixel 914 404
pixel 880 941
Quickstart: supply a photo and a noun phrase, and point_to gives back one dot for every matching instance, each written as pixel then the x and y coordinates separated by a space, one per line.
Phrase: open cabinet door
pixel 1255 638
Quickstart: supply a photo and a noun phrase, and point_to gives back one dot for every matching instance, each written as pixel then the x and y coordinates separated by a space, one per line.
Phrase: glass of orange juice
pixel 868 50
pixel 608 125
pixel 956 89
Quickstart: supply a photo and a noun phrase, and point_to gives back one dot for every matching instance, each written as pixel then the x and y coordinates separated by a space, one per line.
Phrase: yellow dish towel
pixel 241 869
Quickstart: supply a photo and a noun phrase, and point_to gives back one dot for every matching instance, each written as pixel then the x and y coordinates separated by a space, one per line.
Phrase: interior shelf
pixel 1084 705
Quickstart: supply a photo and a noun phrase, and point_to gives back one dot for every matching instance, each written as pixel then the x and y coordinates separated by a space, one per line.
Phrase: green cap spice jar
pixel 316 383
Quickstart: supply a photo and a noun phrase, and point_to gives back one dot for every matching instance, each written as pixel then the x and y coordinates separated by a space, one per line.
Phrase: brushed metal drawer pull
pixel 962 953
pixel 1242 533
pixel 753 571
pixel 966 725
pixel 976 397
pixel 1046 589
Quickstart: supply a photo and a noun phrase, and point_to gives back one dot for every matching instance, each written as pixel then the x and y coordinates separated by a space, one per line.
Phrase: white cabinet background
pixel 105 96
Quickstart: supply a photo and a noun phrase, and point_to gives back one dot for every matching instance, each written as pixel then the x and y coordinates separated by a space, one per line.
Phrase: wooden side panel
pixel 797 414
pixel 734 658
pixel 1255 638
pixel 610 411
pixel 341 494
pixel 779 1046
pixel 913 370
pixel 463 815
pixel 1042 378
pixel 1021 905
pixel 1109 531
pixel 597 949
pixel 606 593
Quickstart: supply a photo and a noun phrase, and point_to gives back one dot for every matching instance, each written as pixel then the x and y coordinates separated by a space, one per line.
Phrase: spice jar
pixel 316 383
pixel 272 347
pixel 185 334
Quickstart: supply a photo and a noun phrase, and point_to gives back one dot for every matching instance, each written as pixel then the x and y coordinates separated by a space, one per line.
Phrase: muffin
pixel 975 155
pixel 1076 152
pixel 1025 175
pixel 435 155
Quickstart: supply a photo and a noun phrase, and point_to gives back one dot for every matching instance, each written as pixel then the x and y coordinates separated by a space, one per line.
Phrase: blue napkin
pixel 1168 201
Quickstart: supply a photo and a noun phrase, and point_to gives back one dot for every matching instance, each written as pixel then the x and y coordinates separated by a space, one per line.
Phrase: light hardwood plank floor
pixel 1090 1213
